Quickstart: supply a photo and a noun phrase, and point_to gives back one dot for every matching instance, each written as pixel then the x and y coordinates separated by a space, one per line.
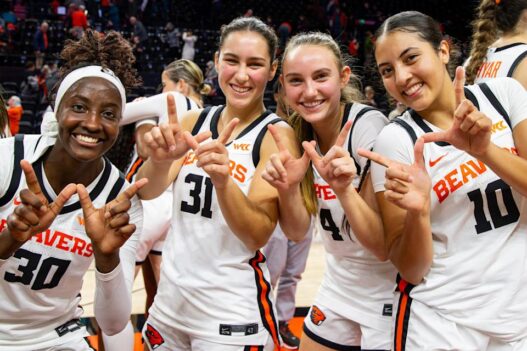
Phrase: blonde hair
pixel 303 130
pixel 190 73
pixel 494 18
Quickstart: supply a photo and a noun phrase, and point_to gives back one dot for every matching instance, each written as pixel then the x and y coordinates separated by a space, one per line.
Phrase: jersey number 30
pixel 50 264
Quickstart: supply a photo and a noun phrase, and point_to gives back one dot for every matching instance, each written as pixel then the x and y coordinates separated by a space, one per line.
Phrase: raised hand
pixel 282 170
pixel 471 129
pixel 35 214
pixel 167 142
pixel 337 167
pixel 213 156
pixel 407 186
pixel 108 227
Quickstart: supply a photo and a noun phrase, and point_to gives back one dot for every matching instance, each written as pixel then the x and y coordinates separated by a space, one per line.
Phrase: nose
pixel 310 89
pixel 402 75
pixel 241 74
pixel 92 121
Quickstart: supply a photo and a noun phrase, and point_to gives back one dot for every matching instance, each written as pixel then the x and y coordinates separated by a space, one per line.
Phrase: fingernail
pixel 173 148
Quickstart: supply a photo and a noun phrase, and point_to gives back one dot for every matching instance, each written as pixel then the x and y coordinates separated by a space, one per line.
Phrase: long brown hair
pixel 4 120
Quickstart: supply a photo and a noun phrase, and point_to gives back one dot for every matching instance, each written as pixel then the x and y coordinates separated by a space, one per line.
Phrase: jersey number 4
pixel 42 281
pixel 498 218
pixel 195 206
pixel 327 222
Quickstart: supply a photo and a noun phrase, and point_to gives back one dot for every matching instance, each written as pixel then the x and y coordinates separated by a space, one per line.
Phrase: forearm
pixel 158 175
pixel 8 245
pixel 294 218
pixel 113 301
pixel 247 220
pixel 365 223
pixel 510 167
pixel 412 252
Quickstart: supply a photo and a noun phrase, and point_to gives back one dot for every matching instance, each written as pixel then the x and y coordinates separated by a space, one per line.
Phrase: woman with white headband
pixel 63 205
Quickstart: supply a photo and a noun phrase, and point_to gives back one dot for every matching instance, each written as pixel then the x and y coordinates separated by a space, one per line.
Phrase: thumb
pixel 63 197
pixel 434 137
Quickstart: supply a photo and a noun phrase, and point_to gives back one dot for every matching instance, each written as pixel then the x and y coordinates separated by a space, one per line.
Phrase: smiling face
pixel 244 68
pixel 88 118
pixel 312 82
pixel 413 72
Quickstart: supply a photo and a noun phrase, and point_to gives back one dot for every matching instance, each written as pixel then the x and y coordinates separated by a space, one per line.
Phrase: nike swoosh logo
pixel 432 163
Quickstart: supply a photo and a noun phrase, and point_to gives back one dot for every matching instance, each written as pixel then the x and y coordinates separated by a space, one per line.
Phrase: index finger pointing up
pixel 276 137
pixel 172 110
pixel 132 190
pixel 341 139
pixel 459 85
pixel 225 134
pixel 31 178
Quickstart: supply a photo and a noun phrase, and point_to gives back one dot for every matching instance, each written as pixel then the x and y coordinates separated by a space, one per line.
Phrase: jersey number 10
pixel 498 219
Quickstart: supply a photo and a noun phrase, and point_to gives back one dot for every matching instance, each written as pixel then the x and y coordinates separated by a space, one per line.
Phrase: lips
pixel 413 89
pixel 239 89
pixel 86 139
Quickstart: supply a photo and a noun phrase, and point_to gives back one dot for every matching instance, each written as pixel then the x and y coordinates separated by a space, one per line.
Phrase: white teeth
pixel 413 89
pixel 240 89
pixel 86 139
pixel 312 104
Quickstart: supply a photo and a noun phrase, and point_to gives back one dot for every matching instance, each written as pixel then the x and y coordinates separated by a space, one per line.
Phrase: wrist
pixel 105 262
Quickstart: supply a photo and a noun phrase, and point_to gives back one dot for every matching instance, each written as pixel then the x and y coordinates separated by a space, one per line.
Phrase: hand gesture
pixel 471 129
pixel 108 227
pixel 282 170
pixel 166 142
pixel 337 167
pixel 407 186
pixel 35 214
pixel 213 156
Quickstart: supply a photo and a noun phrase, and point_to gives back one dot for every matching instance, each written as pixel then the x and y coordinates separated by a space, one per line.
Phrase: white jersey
pixel 212 286
pixel 478 222
pixel 356 284
pixel 40 284
pixel 501 62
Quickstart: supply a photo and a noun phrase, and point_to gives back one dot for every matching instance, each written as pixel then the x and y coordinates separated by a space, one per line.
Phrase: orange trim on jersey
pixel 264 302
pixel 403 314
pixel 134 168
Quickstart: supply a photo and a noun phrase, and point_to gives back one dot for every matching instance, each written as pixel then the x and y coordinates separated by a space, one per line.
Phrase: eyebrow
pixel 401 55
pixel 320 70
pixel 257 58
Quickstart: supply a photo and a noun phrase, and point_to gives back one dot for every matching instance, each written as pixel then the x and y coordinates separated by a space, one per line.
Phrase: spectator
pixel 188 48
pixel 20 10
pixel 172 39
pixel 138 31
pixel 79 18
pixel 41 44
pixel 14 112
pixel 211 78
pixel 114 16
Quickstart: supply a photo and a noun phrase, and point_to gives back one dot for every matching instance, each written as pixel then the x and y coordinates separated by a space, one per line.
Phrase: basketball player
pixel 499 42
pixel 353 307
pixel 48 234
pixel 453 208
pixel 214 290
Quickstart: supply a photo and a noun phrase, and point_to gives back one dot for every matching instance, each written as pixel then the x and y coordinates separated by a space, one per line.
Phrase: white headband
pixel 89 71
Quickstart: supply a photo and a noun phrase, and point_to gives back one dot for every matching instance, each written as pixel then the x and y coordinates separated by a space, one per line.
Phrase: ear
pixel 274 67
pixel 345 75
pixel 216 59
pixel 444 51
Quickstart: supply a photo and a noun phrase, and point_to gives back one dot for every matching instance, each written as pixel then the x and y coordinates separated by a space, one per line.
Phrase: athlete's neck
pixel 327 130
pixel 245 115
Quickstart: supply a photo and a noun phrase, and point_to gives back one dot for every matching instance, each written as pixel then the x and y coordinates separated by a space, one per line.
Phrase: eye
pixel 321 76
pixel 385 72
pixel 411 58
pixel 294 81
pixel 109 115
pixel 231 61
pixel 255 65
pixel 78 108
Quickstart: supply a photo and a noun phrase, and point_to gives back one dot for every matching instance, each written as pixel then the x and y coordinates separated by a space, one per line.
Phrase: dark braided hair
pixel 109 50
pixel 112 51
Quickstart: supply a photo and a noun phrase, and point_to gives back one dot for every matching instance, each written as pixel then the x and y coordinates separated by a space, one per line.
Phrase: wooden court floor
pixel 305 294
